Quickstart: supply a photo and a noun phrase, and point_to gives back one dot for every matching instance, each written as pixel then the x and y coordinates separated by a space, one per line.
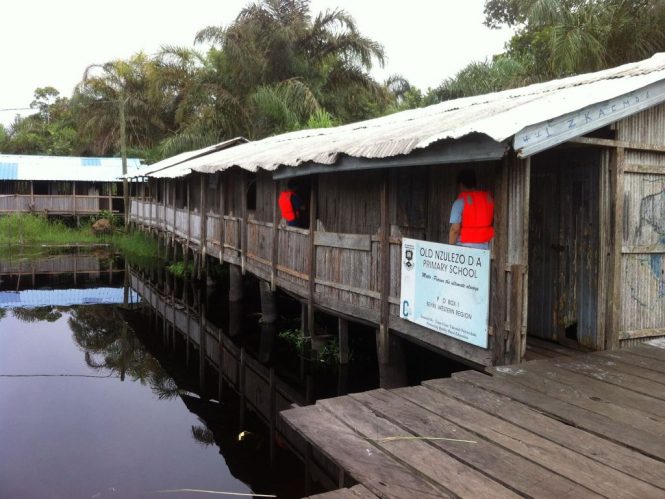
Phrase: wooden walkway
pixel 589 425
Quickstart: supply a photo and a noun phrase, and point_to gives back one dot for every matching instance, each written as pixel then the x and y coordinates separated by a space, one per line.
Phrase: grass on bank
pixel 26 229
pixel 29 230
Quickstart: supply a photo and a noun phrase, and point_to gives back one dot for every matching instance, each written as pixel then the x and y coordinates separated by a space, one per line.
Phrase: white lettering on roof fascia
pixel 536 138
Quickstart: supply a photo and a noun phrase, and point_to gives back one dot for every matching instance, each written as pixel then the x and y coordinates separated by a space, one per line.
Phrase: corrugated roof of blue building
pixel 32 298
pixel 65 168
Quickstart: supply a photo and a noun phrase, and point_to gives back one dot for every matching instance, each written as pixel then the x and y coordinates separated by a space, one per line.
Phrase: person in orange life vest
pixel 291 206
pixel 472 214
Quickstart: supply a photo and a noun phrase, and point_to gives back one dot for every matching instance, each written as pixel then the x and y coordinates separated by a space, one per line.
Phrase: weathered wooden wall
pixel 349 202
pixel 641 307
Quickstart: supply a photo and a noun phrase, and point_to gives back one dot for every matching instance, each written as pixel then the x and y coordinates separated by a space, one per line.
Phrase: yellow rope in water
pixel 392 439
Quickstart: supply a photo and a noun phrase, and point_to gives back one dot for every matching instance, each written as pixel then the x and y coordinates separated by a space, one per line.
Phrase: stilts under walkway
pixel 589 425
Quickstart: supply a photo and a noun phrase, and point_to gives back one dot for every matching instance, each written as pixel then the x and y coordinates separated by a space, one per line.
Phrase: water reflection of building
pixel 180 324
pixel 59 270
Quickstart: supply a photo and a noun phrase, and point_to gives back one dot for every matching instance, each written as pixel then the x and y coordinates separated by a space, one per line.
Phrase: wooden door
pixel 543 251
pixel 564 247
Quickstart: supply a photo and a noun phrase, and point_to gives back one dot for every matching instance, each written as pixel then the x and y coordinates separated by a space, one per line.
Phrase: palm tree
pixel 275 50
pixel 104 88
pixel 564 37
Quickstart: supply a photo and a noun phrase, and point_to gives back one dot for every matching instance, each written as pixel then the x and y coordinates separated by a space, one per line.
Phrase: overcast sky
pixel 50 42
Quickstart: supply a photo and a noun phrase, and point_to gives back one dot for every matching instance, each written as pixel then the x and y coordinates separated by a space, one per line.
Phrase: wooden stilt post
pixel 343 334
pixel 189 212
pixel 275 235
pixel 204 226
pixel 383 340
pixel 173 203
pixel 614 309
pixel 313 197
pixel 74 198
pixel 222 211
pixel 243 226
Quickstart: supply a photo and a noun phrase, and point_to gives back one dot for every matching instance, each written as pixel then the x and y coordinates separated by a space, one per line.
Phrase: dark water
pixel 71 430
pixel 93 405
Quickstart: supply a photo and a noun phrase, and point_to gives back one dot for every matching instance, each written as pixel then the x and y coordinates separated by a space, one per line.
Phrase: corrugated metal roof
pixel 64 297
pixel 501 116
pixel 8 171
pixel 176 164
pixel 65 168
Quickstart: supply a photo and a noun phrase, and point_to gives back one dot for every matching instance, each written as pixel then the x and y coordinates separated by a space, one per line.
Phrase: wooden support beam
pixel 343 335
pixel 163 187
pixel 614 309
pixel 383 340
pixel 515 315
pixel 189 212
pixel 204 225
pixel 173 203
pixel 498 297
pixel 222 210
pixel 243 224
pixel 311 270
pixel 275 235
pixel 618 144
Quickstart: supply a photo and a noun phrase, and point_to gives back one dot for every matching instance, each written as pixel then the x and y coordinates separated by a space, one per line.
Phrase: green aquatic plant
pixel 295 339
pixel 179 269
pixel 135 245
pixel 328 354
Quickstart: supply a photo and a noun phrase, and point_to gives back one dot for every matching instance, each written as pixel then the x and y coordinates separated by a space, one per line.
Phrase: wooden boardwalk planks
pixel 584 425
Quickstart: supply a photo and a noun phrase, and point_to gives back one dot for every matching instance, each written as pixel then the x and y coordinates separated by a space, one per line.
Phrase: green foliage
pixel 50 131
pixel 327 355
pixel 563 37
pixel 295 339
pixel 24 229
pixel 484 77
pixel 559 38
pixel 179 269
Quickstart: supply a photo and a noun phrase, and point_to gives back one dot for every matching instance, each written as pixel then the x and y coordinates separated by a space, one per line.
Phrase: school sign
pixel 446 288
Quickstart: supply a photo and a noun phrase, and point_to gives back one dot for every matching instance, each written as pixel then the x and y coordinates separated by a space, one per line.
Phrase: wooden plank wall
pixel 348 202
pixel 642 267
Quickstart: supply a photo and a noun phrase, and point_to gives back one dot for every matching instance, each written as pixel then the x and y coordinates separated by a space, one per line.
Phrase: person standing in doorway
pixel 291 206
pixel 472 214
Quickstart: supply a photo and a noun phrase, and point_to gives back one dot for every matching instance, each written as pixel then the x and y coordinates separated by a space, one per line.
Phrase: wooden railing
pixel 59 204
pixel 346 266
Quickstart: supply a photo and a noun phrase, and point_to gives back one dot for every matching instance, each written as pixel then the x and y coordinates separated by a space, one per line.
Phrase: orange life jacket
pixel 477 217
pixel 286 206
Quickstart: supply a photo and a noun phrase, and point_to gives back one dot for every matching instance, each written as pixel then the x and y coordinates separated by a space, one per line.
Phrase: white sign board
pixel 446 288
